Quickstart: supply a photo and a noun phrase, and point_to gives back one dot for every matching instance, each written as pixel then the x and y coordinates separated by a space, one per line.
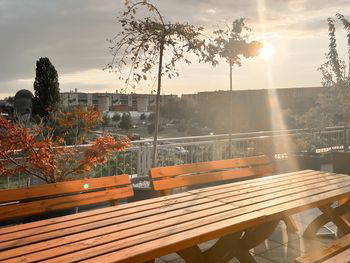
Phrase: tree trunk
pixel 231 114
pixel 156 121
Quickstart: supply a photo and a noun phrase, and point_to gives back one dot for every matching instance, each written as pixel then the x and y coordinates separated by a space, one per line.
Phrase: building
pixel 23 104
pixel 113 101
pixel 253 110
pixel 6 109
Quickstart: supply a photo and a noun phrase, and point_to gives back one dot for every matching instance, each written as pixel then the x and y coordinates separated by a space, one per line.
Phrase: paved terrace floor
pixel 281 246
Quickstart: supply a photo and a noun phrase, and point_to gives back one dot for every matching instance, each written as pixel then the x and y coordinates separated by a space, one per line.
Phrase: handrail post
pixel 139 160
pixel 346 146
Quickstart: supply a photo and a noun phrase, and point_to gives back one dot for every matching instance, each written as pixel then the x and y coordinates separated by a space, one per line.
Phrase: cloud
pixel 73 33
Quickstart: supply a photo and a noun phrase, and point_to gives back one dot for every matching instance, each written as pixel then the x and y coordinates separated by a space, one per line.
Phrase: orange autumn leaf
pixel 21 151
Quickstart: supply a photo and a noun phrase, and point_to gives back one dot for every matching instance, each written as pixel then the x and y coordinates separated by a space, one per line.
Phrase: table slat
pixel 139 231
pixel 101 219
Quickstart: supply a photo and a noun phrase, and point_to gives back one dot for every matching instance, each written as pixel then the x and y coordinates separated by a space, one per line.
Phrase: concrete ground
pixel 280 246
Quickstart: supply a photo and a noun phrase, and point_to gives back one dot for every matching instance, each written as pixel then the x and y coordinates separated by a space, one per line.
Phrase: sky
pixel 73 33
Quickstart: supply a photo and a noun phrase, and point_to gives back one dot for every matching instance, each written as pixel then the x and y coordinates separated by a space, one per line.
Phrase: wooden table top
pixel 142 230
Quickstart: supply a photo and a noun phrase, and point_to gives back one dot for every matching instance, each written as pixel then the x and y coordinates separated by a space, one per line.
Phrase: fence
pixel 136 160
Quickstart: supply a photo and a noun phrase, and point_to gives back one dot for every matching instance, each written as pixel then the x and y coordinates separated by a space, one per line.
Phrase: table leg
pixel 323 219
pixel 245 257
pixel 192 255
pixel 291 225
pixel 336 218
pixel 233 245
pixel 255 236
pixel 225 248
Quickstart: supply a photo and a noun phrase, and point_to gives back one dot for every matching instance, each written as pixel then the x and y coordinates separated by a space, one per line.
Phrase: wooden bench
pixel 338 251
pixel 172 177
pixel 165 179
pixel 24 202
pixel 148 229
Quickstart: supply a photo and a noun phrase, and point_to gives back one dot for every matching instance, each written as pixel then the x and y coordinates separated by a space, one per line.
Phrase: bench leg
pixel 336 218
pixel 323 219
pixel 291 225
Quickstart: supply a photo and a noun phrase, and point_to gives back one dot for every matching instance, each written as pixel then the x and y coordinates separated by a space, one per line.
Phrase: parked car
pixel 134 136
pixel 171 149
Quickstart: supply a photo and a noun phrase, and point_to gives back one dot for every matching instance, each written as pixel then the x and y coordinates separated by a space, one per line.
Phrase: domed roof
pixel 23 93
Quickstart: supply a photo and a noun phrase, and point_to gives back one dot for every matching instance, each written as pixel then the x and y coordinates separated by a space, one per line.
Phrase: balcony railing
pixel 136 160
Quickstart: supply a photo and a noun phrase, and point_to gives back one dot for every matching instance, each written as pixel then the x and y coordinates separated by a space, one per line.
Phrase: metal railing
pixel 136 160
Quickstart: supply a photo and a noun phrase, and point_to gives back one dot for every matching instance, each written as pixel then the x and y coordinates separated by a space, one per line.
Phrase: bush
pixel 116 117
pixel 151 128
pixel 126 121
pixel 143 117
pixel 151 117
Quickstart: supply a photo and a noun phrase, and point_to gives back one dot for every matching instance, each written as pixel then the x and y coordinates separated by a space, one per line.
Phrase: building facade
pixel 254 110
pixel 112 101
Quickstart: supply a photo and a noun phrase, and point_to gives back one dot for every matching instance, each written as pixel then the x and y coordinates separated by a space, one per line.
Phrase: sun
pixel 267 51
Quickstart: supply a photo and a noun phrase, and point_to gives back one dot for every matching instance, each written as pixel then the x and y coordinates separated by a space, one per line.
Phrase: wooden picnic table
pixel 240 215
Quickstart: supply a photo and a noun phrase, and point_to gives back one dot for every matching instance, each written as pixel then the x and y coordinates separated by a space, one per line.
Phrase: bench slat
pixel 9 195
pixel 335 247
pixel 60 203
pixel 186 180
pixel 342 257
pixel 159 172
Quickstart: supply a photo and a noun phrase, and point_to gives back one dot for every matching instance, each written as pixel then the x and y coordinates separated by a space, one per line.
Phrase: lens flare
pixel 267 51
pixel 282 145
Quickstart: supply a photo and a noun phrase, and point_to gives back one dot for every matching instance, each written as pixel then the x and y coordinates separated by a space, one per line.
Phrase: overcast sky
pixel 73 33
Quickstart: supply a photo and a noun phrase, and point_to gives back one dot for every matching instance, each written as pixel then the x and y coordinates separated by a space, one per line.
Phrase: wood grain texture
pixel 65 202
pixel 140 231
pixel 203 178
pixel 164 206
pixel 334 248
pixel 167 171
pixel 10 195
pixel 170 177
pixel 15 203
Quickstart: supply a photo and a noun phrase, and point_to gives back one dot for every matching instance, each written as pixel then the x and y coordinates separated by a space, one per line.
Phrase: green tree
pixel 178 110
pixel 10 99
pixel 126 121
pixel 332 105
pixel 232 44
pixel 151 117
pixel 140 46
pixel 106 120
pixel 116 117
pixel 151 128
pixel 143 117
pixel 46 86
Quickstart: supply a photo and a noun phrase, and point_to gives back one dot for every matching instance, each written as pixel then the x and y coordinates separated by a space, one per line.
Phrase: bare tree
pixel 146 39
pixel 233 44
